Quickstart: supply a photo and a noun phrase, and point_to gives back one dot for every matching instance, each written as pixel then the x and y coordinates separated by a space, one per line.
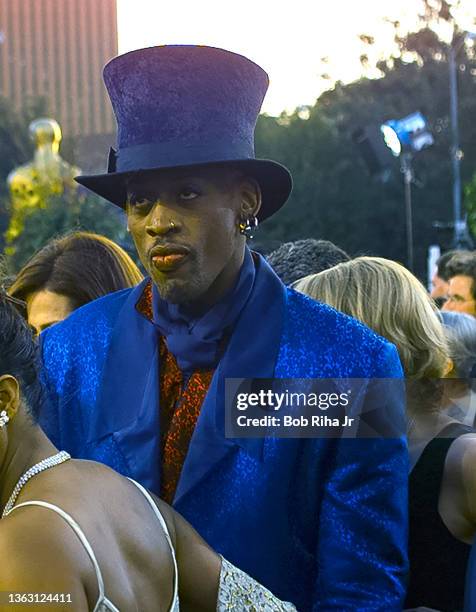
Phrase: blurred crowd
pixel 435 335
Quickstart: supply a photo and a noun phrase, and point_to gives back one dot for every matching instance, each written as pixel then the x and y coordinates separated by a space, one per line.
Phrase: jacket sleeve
pixel 49 410
pixel 363 525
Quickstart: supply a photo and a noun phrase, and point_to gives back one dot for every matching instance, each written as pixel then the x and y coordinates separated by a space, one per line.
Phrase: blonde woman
pixel 390 300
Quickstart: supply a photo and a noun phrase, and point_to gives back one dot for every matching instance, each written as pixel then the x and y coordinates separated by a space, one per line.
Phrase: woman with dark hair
pixel 84 536
pixel 69 272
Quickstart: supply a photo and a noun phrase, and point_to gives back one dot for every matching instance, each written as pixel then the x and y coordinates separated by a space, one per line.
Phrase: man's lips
pixel 167 262
pixel 166 258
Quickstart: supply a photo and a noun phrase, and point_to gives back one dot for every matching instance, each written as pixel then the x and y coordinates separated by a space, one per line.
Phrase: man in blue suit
pixel 136 379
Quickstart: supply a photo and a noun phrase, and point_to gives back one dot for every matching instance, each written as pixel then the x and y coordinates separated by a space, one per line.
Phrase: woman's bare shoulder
pixel 468 452
pixel 38 559
pixel 460 476
pixel 462 452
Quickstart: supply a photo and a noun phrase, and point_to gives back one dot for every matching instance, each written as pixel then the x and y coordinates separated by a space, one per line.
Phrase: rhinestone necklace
pixel 49 462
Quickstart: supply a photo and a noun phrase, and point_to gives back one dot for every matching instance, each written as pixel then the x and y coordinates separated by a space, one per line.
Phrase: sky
pixel 287 38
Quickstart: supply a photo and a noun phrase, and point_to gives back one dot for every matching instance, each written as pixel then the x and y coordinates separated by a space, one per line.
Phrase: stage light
pixel 410 134
pixel 391 139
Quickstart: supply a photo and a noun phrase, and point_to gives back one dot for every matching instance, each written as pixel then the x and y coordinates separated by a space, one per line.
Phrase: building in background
pixel 56 49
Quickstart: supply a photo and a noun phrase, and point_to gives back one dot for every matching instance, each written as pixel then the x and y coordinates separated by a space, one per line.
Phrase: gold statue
pixel 32 184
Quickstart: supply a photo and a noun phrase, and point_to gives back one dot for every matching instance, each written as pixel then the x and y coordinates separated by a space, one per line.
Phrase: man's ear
pixel 9 395
pixel 250 198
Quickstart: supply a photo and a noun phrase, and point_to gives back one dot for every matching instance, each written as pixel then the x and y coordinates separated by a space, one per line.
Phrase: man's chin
pixel 175 291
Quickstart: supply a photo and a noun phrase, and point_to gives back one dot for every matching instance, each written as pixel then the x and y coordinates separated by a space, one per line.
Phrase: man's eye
pixel 188 194
pixel 137 200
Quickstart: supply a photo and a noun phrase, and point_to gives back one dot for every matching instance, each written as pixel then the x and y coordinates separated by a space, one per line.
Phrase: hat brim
pixel 274 180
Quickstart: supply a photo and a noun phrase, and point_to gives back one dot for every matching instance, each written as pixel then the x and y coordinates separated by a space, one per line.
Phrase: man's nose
pixel 160 221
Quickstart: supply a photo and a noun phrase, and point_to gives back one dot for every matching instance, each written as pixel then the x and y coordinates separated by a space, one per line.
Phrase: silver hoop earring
pixel 248 226
pixel 4 418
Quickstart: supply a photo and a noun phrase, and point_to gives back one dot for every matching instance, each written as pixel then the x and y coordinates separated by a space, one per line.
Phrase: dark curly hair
pixel 463 263
pixel 19 355
pixel 444 260
pixel 294 260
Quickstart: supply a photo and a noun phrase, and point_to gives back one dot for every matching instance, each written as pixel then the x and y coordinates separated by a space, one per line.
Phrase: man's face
pixel 460 298
pixel 439 287
pixel 185 227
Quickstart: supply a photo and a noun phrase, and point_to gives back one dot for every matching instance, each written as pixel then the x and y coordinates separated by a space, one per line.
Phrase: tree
pixel 62 215
pixel 334 197
pixel 470 200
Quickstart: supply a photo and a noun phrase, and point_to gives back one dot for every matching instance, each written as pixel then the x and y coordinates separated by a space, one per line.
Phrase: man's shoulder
pixel 100 313
pixel 330 338
pixel 307 313
pixel 84 336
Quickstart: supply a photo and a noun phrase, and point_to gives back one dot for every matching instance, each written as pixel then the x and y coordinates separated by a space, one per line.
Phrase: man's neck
pixel 220 286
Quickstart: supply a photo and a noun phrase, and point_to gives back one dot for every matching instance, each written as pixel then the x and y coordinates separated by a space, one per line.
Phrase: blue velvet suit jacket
pixel 320 522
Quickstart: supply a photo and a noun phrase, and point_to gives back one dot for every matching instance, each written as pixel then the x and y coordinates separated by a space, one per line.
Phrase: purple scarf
pixel 197 342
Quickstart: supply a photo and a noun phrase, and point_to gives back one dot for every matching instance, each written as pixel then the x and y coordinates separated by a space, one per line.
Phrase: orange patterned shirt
pixel 179 407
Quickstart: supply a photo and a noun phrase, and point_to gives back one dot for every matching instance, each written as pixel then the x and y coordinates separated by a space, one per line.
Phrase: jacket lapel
pixel 129 397
pixel 128 401
pixel 208 445
pixel 246 356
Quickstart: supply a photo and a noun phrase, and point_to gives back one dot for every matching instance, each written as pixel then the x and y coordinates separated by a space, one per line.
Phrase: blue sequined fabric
pixel 321 523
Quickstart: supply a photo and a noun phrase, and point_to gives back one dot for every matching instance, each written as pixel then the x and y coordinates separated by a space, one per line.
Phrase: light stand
pixel 407 171
pixel 460 230
pixel 404 137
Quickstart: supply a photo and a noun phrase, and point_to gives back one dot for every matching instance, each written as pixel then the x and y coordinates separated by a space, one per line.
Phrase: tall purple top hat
pixel 183 105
